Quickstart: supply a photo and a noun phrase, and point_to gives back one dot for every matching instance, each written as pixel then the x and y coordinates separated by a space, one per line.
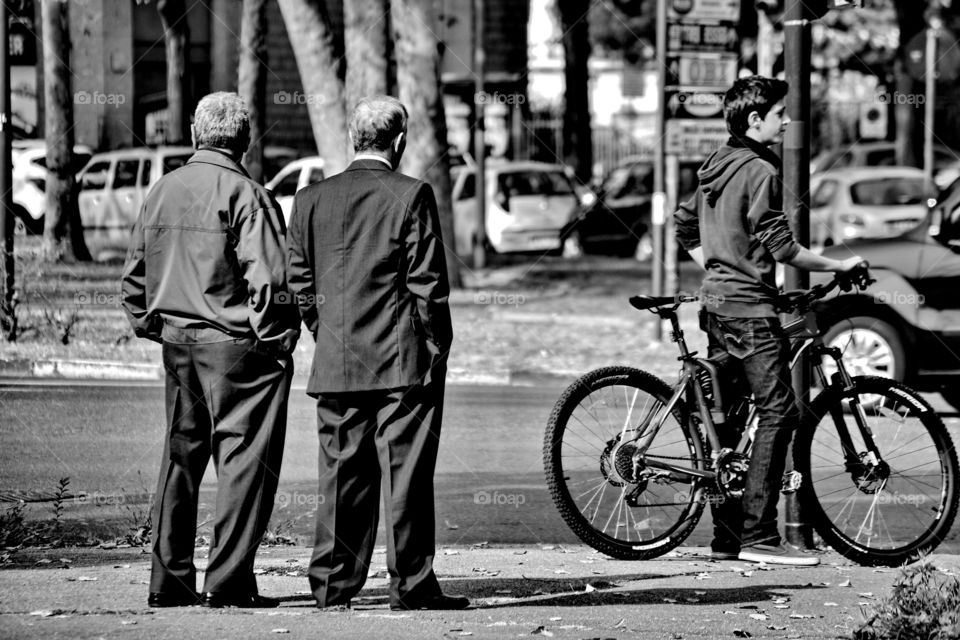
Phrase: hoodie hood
pixel 720 167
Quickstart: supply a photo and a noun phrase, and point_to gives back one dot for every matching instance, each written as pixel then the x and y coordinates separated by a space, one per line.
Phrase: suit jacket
pixel 366 265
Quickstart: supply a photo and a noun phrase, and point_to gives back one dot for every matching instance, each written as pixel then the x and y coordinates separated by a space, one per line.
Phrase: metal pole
pixel 8 320
pixel 765 55
pixel 796 203
pixel 479 142
pixel 930 95
pixel 658 204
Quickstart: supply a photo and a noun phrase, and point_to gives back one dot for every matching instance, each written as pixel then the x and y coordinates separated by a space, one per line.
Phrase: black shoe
pixel 249 601
pixel 173 600
pixel 438 601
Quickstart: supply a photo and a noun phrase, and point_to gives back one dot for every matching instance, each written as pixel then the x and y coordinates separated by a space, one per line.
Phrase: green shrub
pixel 925 604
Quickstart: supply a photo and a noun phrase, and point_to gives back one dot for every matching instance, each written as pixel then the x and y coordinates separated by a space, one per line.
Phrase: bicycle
pixel 631 461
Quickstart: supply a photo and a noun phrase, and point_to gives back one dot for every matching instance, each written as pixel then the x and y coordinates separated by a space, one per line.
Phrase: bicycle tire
pixel 864 490
pixel 561 478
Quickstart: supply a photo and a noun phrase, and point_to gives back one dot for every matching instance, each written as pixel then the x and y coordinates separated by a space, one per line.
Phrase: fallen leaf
pixel 781 606
pixel 670 600
pixel 774 627
pixel 125 622
pixel 694 600
pixel 43 613
pixel 730 613
pixel 866 594
pixel 845 583
pixel 588 589
pixel 279 630
pixel 559 571
pixel 800 616
pixel 451 552
pixel 86 579
pixel 450 525
pixel 541 631
pixel 621 625
pixel 522 552
pixel 700 593
pixel 759 616
pixel 740 633
pixel 830 604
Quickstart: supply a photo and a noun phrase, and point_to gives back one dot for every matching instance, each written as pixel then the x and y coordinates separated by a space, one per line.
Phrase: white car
pixel 29 177
pixel 866 202
pixel 112 188
pixel 528 204
pixel 292 178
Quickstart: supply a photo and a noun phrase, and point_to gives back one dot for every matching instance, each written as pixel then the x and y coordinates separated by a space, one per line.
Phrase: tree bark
pixel 176 36
pixel 308 26
pixel 577 143
pixel 252 84
pixel 365 35
pixel 418 80
pixel 62 229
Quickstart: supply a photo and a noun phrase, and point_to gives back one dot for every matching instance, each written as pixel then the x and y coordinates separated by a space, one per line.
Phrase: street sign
pixel 702 37
pixel 703 10
pixel 685 103
pixel 694 139
pixel 698 69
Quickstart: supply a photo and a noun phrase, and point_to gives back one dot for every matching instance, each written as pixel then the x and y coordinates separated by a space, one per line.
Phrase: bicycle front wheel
pixel 885 509
pixel 604 492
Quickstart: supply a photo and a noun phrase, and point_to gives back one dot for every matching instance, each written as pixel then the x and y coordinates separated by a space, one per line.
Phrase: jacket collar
pixel 368 164
pixel 222 160
pixel 762 150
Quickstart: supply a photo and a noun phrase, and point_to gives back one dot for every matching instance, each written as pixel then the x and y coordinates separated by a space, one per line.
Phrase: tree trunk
pixel 252 83
pixel 308 26
pixel 173 18
pixel 62 229
pixel 365 36
pixel 577 143
pixel 418 79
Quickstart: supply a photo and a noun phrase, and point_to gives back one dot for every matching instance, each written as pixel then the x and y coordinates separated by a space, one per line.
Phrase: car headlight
pixel 587 199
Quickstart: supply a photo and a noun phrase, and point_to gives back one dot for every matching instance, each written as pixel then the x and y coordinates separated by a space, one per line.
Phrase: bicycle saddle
pixel 649 302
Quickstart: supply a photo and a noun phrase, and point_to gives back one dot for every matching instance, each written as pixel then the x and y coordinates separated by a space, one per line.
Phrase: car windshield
pixel 888 192
pixel 174 162
pixel 534 183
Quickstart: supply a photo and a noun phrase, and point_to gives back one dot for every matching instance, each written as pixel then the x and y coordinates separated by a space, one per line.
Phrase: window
pixel 126 174
pixel 889 192
pixel 171 163
pixel 145 167
pixel 316 175
pixel 288 186
pixel 881 158
pixel 95 178
pixel 634 180
pixel 823 196
pixel 469 187
pixel 534 183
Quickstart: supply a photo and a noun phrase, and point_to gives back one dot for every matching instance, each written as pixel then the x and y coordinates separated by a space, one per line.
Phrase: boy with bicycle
pixel 734 226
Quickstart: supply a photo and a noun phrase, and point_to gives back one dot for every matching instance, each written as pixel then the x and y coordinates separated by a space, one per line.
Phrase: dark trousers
pixel 759 363
pixel 227 399
pixel 372 441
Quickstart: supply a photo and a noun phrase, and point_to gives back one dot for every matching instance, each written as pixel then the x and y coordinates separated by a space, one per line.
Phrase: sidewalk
pixel 550 591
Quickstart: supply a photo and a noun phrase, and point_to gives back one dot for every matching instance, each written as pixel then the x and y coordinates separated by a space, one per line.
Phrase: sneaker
pixel 779 554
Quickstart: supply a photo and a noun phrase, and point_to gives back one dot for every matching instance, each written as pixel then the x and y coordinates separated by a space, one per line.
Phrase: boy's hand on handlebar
pixel 856 274
pixel 849 264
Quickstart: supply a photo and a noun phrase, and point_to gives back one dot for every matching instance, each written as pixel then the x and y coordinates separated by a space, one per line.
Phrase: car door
pixel 96 205
pixel 127 197
pixel 624 208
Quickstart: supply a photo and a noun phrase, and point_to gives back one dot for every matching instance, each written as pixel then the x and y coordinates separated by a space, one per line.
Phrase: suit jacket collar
pixel 210 156
pixel 370 165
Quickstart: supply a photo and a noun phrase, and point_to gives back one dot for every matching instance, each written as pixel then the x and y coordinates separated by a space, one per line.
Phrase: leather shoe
pixel 438 601
pixel 248 601
pixel 156 599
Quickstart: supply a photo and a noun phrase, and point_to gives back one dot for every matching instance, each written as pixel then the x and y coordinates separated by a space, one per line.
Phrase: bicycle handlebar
pixel 800 300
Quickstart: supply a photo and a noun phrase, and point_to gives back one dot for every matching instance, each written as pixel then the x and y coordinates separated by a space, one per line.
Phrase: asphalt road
pixel 108 440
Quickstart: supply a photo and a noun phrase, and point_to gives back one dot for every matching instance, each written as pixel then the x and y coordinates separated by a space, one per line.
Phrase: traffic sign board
pixel 694 139
pixel 699 69
pixel 702 10
pixel 702 37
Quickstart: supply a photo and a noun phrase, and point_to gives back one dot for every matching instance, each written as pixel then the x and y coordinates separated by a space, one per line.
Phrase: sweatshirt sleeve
pixel 687 219
pixel 769 223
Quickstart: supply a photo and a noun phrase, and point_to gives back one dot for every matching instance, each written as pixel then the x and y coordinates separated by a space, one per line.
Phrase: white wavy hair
pixel 222 120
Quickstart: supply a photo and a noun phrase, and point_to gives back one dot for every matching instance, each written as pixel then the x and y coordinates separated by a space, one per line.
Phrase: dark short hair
pixel 753 93
pixel 376 122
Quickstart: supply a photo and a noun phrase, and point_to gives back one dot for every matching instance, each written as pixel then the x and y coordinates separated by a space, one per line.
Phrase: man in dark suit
pixel 366 265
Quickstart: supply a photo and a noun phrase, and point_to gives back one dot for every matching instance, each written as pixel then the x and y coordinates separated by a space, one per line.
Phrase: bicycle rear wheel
pixel 877 512
pixel 621 509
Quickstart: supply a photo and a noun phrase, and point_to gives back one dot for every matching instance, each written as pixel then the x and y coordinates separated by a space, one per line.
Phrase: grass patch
pixel 925 603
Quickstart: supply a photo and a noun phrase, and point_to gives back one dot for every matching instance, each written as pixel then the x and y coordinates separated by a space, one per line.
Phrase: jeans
pixel 759 363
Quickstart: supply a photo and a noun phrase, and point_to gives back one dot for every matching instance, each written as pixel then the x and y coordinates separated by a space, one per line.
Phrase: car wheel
pixel 870 347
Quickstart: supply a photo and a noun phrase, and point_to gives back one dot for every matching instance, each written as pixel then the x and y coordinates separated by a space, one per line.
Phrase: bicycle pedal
pixel 791 482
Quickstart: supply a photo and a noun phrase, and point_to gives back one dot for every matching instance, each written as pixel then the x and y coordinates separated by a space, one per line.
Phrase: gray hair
pixel 376 122
pixel 222 120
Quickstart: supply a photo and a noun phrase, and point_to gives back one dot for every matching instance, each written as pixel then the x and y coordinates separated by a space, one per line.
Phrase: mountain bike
pixel 632 461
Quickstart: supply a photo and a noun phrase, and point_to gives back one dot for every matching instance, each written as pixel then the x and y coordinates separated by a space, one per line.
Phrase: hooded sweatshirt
pixel 736 215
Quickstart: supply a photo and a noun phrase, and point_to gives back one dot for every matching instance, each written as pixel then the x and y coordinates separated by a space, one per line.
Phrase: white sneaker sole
pixel 803 561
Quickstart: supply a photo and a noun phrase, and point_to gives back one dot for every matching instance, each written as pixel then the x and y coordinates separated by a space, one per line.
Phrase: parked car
pixel 29 178
pixel 528 204
pixel 906 325
pixel 276 158
pixel 292 178
pixel 880 153
pixel 616 220
pixel 866 202
pixel 112 187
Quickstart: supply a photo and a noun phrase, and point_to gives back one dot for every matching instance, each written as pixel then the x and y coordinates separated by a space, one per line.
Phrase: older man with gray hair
pixel 205 277
pixel 366 264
